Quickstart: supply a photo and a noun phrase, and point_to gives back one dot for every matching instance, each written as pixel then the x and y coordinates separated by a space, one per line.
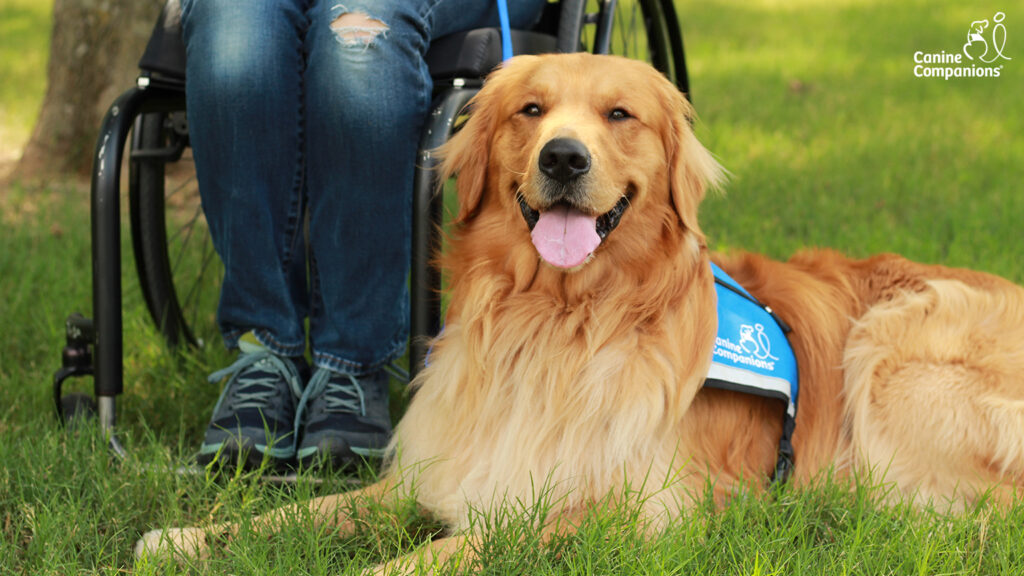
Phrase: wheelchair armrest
pixel 474 53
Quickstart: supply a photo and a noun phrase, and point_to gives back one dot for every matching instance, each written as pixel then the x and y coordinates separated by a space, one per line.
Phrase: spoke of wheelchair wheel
pixel 188 229
pixel 189 225
pixel 195 292
pixel 181 244
pixel 176 268
pixel 181 187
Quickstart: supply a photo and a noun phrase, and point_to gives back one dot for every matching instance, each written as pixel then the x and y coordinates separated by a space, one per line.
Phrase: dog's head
pixel 593 156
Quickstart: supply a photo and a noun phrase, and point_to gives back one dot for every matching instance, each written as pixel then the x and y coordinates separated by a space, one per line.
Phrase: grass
pixel 831 140
pixel 24 44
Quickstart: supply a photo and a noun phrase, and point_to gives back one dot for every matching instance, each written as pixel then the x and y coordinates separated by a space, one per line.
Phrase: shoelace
pixel 339 397
pixel 253 391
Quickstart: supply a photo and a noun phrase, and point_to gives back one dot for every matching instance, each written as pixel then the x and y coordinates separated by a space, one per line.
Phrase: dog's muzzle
pixel 564 234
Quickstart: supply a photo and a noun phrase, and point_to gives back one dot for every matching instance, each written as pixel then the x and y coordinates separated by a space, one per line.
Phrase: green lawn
pixel 24 44
pixel 831 141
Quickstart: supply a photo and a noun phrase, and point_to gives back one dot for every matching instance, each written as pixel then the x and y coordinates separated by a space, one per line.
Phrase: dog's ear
pixel 467 154
pixel 693 170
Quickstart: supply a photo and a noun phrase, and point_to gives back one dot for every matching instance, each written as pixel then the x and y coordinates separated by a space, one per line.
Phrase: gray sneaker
pixel 255 414
pixel 344 419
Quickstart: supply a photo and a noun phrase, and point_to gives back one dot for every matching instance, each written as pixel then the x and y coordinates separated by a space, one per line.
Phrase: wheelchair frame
pixel 95 346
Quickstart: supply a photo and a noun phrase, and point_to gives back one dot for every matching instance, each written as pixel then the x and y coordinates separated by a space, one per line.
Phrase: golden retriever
pixel 582 322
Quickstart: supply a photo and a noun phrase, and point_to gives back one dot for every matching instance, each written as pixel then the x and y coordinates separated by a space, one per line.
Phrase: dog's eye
pixel 619 114
pixel 531 109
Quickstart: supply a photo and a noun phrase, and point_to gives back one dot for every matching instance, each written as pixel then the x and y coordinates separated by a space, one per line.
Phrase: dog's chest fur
pixel 526 399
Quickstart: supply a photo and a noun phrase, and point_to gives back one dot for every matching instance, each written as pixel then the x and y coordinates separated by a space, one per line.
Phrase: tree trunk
pixel 94 52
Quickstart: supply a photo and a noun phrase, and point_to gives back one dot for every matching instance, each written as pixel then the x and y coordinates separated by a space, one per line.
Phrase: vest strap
pixel 752 355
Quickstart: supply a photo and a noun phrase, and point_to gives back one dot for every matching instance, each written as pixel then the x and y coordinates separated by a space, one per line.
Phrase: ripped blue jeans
pixel 316 106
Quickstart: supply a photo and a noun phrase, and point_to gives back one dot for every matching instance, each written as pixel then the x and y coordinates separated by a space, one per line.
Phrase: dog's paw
pixel 177 544
pixel 398 567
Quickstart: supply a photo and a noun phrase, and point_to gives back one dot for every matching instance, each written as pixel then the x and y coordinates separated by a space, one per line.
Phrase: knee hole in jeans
pixel 357 29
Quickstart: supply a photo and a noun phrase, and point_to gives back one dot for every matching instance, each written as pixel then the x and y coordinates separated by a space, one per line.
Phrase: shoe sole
pixel 337 456
pixel 249 455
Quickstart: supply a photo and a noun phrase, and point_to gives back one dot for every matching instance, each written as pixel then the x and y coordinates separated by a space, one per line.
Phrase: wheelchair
pixel 178 270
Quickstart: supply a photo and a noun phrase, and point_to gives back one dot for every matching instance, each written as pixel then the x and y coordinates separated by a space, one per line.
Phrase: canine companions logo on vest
pixel 976 59
pixel 751 353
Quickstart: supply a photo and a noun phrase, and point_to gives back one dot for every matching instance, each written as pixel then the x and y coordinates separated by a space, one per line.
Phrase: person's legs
pixel 244 96
pixel 290 96
pixel 368 94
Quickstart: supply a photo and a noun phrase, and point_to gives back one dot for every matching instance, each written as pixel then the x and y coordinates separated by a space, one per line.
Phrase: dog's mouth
pixel 565 236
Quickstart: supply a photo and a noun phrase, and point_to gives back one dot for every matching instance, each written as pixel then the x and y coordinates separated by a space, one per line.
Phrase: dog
pixel 582 325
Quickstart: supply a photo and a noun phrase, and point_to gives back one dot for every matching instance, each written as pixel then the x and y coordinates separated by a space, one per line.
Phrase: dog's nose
pixel 563 159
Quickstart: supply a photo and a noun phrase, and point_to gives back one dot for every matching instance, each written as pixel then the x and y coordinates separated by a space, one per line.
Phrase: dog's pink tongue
pixel 564 236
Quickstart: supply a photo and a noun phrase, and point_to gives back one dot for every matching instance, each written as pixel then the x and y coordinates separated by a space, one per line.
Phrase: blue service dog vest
pixel 753 355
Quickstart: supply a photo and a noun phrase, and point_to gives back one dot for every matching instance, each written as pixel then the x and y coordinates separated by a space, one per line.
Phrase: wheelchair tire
pixel 178 269
pixel 76 408
pixel 646 30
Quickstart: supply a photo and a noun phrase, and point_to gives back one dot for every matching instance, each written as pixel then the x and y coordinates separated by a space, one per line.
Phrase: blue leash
pixel 506 30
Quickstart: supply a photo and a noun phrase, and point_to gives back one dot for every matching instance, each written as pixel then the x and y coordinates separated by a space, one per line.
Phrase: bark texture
pixel 94 52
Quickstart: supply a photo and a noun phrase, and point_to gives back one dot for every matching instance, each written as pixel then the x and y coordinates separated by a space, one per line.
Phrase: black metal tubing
pixel 675 38
pixel 427 217
pixel 605 20
pixel 570 25
pixel 106 231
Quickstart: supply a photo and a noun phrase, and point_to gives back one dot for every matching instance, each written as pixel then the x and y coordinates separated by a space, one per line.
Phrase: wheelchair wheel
pixel 646 30
pixel 178 269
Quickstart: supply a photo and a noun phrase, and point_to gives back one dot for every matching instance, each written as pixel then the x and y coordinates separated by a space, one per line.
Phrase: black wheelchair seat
pixel 474 53
pixel 164 57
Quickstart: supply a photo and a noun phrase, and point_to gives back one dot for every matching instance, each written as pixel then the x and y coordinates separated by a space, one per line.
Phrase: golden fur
pixel 586 381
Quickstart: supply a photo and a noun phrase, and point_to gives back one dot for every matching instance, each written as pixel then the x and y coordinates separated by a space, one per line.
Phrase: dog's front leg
pixel 455 553
pixel 336 510
pixel 432 557
pixel 181 544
